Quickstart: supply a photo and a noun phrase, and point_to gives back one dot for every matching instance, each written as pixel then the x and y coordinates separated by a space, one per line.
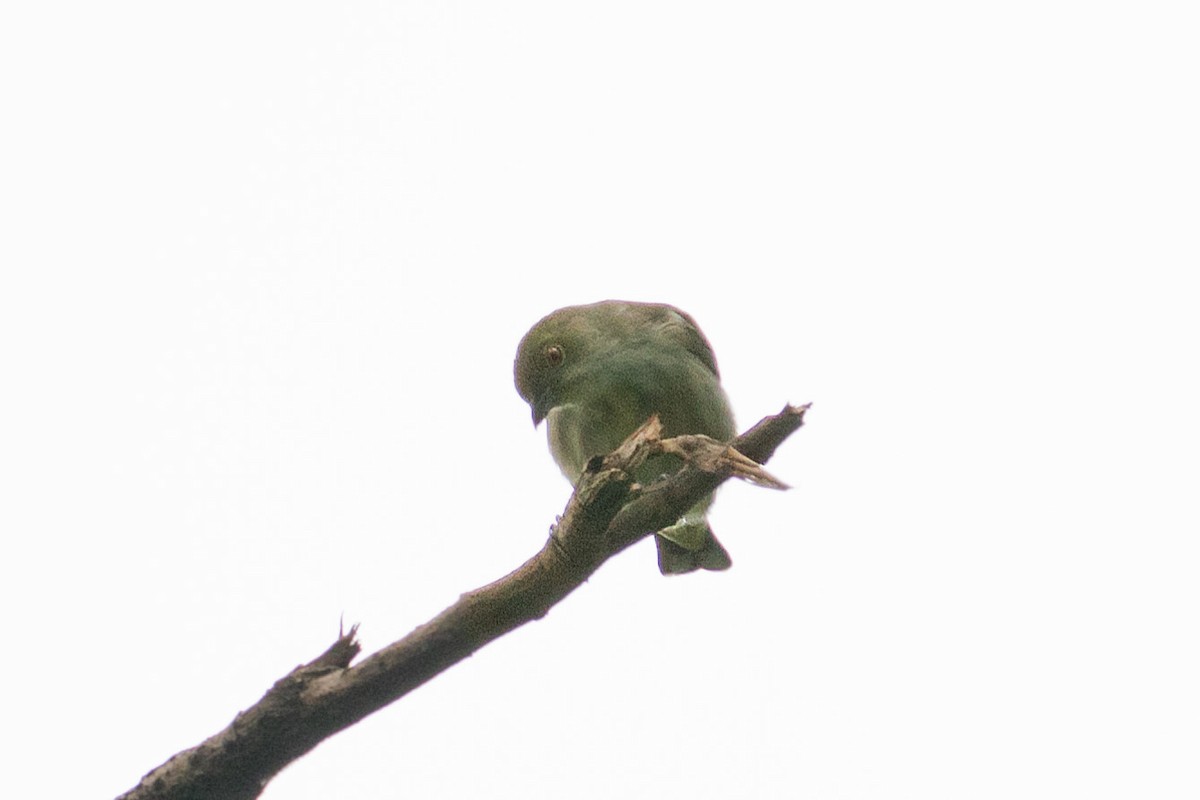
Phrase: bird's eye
pixel 554 355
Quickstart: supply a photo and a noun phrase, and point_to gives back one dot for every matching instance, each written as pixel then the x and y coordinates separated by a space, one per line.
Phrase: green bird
pixel 597 372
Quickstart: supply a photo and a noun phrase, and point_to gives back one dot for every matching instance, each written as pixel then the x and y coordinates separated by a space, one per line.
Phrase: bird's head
pixel 548 356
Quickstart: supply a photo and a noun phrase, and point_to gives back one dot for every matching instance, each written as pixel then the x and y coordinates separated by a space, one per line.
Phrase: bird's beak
pixel 539 413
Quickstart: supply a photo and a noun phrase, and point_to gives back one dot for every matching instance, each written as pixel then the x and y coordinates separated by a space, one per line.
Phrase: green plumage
pixel 597 372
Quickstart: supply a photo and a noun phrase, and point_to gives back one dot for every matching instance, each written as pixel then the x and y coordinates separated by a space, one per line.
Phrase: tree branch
pixel 607 513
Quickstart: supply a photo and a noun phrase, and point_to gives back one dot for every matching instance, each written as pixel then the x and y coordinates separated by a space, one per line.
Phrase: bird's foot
pixel 709 455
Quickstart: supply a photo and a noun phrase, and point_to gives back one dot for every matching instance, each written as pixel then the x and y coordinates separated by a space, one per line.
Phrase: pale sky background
pixel 265 266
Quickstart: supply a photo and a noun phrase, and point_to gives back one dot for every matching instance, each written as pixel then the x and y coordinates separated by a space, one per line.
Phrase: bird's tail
pixel 689 545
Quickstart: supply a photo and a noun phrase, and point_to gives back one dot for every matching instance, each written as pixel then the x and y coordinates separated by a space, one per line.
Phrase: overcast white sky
pixel 265 266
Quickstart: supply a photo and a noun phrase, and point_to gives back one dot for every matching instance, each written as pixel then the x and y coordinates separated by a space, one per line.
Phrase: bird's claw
pixel 709 455
pixel 748 469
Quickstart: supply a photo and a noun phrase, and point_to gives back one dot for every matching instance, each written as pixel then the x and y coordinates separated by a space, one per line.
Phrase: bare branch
pixel 606 513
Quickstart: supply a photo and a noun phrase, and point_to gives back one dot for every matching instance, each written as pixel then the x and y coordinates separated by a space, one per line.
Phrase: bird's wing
pixel 682 329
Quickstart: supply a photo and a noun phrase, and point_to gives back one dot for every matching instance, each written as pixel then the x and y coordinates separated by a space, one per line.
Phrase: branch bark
pixel 607 513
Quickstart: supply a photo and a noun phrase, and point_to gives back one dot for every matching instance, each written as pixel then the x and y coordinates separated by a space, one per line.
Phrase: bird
pixel 595 373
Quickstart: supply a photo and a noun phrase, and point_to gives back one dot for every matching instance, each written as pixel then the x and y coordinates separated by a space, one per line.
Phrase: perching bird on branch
pixel 596 372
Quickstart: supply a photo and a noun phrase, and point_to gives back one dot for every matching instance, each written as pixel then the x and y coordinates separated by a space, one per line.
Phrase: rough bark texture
pixel 607 513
